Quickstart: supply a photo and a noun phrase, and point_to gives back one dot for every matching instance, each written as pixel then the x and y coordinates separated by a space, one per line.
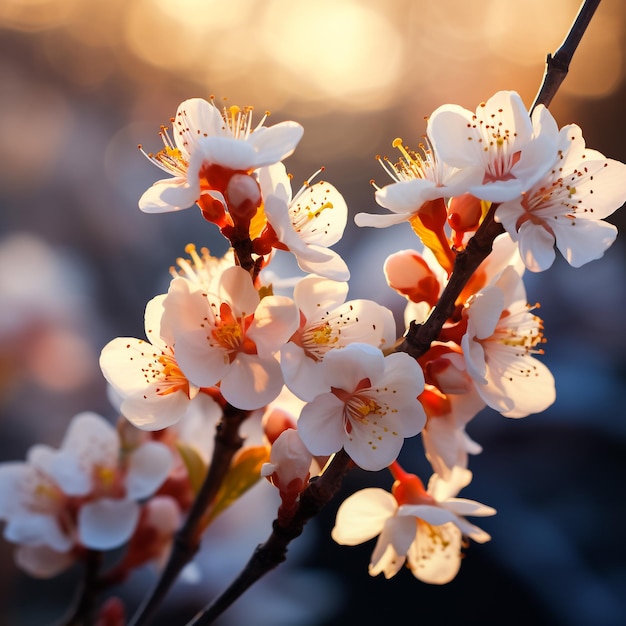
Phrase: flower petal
pixel 107 523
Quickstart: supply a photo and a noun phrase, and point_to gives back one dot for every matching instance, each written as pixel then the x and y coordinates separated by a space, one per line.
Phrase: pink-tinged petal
pixel 380 221
pixel 163 513
pixel 172 194
pixel 544 123
pixel 274 181
pixel 333 267
pixel 325 211
pixel 148 466
pixel 403 379
pixel 107 523
pixel 375 444
pixel 362 516
pixel 435 556
pixel 385 559
pixel 536 246
pixel 508 214
pixel 230 153
pixel 461 506
pixel 92 438
pixel 70 476
pixel 276 319
pixel 472 531
pixel 275 143
pixel 536 160
pixel 345 368
pixel 313 294
pixel 389 553
pixel 201 363
pixel 453 142
pixel 516 386
pixel 252 382
pixel 602 189
pixel 195 118
pixel 407 196
pixel 474 357
pixel 303 375
pixel 12 475
pixel 37 529
pixel 441 489
pixel 485 311
pixel 124 362
pixel 159 336
pixel 500 190
pixel 582 241
pixel 42 561
pixel 433 515
pixel 321 424
pixel 235 287
pixel 148 410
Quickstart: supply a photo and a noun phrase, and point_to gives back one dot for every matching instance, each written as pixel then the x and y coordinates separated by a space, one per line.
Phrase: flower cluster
pixel 324 374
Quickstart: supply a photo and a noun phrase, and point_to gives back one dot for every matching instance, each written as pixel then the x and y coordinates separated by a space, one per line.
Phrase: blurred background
pixel 82 83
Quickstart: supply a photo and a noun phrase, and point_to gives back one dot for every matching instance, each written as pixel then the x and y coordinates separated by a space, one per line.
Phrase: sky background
pixel 83 83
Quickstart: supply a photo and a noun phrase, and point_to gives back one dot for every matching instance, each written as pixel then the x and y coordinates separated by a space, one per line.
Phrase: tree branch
pixel 419 336
pixel 557 66
pixel 187 540
pixel 270 554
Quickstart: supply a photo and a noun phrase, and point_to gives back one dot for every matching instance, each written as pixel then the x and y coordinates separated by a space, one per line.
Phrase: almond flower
pixel 513 150
pixel 80 495
pixel 423 528
pixel 567 206
pixel 328 322
pixel 502 337
pixel 371 408
pixel 154 392
pixel 206 147
pixel 308 223
pixel 419 177
pixel 227 335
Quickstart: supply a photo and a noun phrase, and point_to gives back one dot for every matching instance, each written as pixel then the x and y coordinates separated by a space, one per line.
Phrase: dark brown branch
pixel 557 65
pixel 270 554
pixel 187 540
pixel 419 336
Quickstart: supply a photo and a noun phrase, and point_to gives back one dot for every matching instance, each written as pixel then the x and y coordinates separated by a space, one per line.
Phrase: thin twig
pixel 270 554
pixel 187 540
pixel 557 65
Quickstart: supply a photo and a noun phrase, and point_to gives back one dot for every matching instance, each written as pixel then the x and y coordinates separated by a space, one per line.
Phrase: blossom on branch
pixel 502 335
pixel 83 495
pixel 513 150
pixel 567 206
pixel 306 224
pixel 206 148
pixel 370 409
pixel 154 391
pixel 328 322
pixel 228 335
pixel 423 528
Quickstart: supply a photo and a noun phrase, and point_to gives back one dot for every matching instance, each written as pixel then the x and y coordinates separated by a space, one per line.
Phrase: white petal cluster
pixel 82 495
pixel 426 535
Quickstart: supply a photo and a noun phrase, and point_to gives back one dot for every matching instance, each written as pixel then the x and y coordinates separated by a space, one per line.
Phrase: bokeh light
pixel 83 82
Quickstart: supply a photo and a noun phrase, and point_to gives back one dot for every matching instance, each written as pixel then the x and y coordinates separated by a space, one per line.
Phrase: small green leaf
pixel 244 472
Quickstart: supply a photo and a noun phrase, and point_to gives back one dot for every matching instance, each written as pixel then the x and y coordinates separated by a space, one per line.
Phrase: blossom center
pixel 173 379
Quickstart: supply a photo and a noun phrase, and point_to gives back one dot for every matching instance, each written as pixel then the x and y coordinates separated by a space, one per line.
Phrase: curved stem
pixel 557 65
pixel 187 540
pixel 270 554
